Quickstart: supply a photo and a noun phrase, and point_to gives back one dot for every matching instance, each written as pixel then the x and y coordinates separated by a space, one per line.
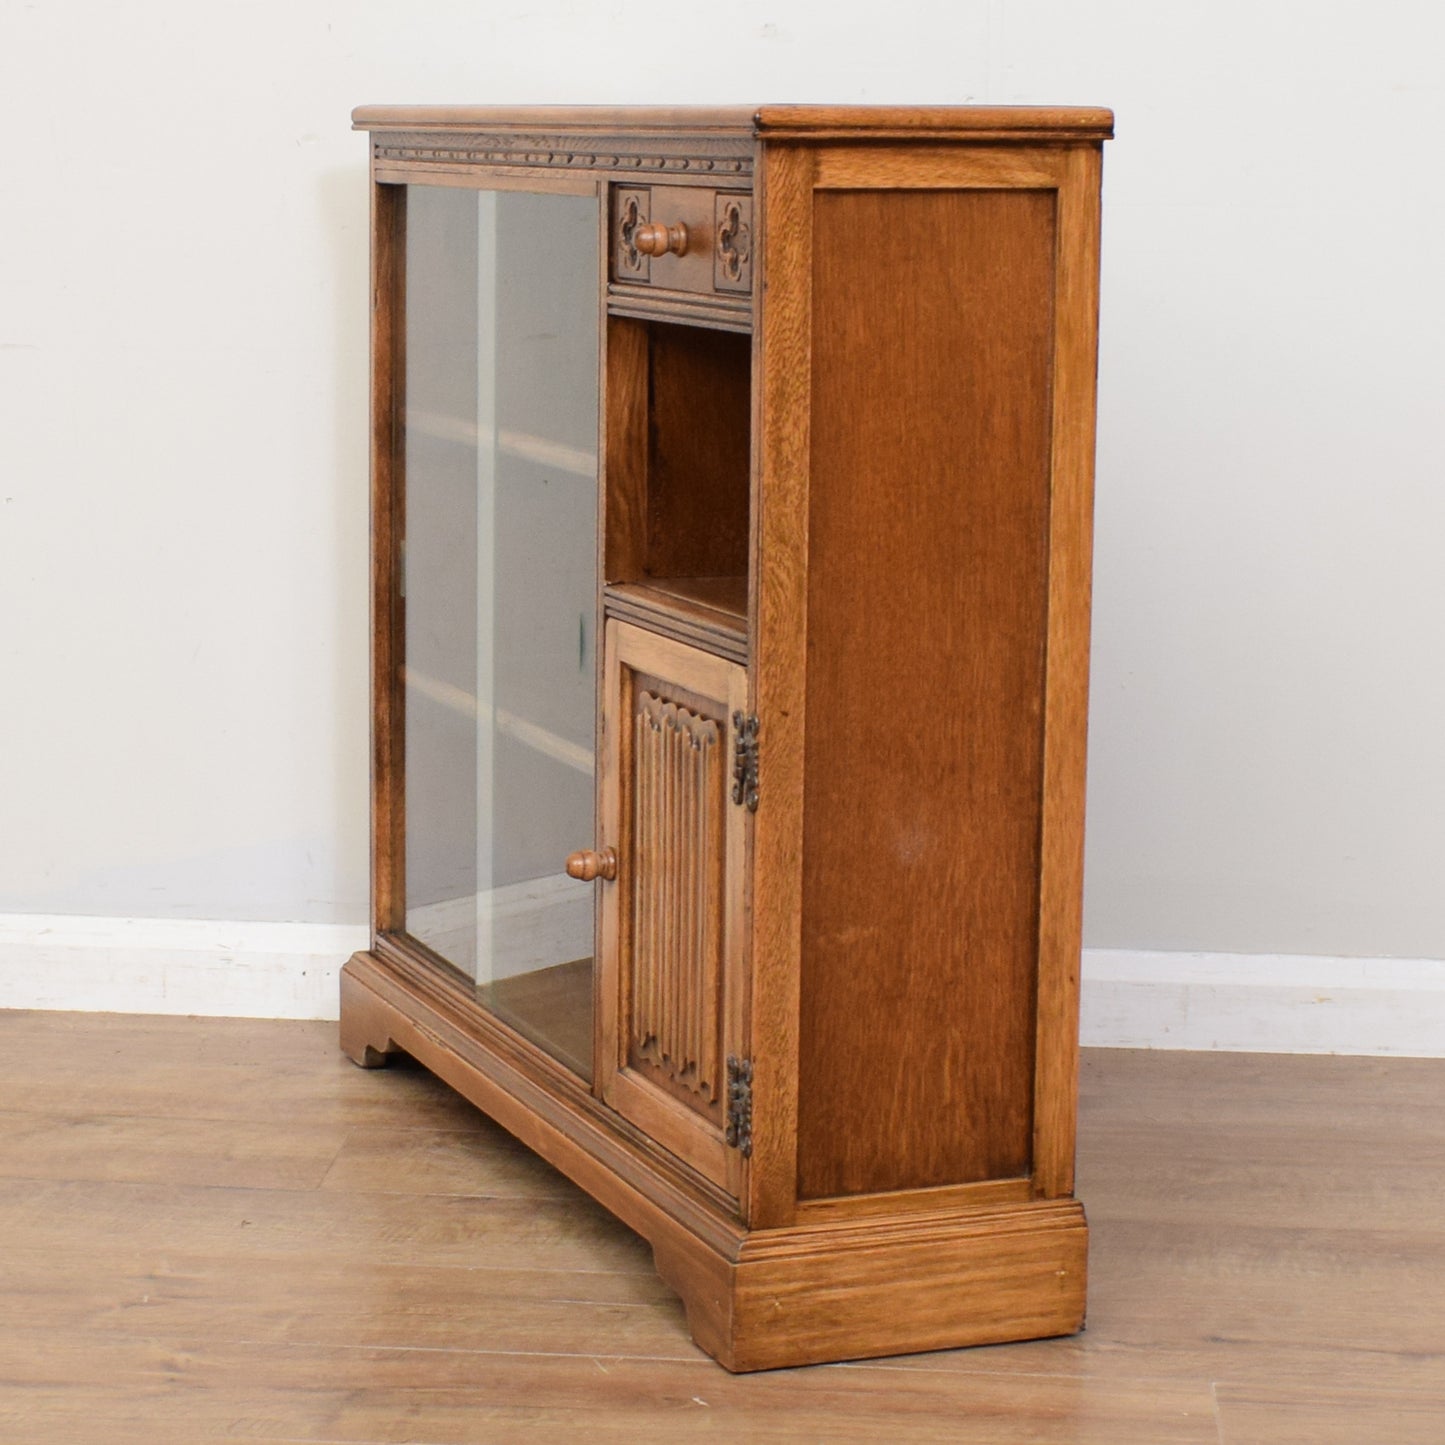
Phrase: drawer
pixel 683 238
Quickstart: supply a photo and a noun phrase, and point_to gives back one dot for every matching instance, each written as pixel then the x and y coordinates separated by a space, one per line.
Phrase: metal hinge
pixel 745 762
pixel 739 1130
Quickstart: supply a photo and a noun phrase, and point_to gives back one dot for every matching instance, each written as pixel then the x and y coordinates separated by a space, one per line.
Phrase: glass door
pixel 500 578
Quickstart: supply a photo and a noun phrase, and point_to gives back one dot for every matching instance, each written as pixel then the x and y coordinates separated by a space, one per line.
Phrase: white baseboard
pixel 174 965
pixel 1263 1003
pixel 1228 1001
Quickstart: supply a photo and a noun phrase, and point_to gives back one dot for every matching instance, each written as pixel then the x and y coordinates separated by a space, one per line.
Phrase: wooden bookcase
pixel 732 486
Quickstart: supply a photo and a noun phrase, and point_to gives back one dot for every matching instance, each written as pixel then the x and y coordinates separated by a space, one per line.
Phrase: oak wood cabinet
pixel 732 478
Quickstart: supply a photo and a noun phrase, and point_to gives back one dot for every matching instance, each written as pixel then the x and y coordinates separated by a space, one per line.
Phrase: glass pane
pixel 501 573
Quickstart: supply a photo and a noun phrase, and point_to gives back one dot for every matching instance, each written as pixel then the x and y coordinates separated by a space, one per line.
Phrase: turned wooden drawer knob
pixel 652 238
pixel 588 865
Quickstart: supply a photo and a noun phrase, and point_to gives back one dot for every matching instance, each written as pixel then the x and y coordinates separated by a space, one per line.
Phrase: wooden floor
pixel 219 1229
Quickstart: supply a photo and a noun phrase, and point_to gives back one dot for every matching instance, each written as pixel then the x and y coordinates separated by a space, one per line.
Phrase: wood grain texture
pixel 679 235
pixel 1259 1220
pixel 697 472
pixel 779 551
pixel 624 489
pixel 936 167
pixel 703 612
pixel 477 1396
pixel 969 1284
pixel 676 896
pixel 126 1148
pixel 1259 1415
pixel 673 945
pixel 62 1064
pixel 725 595
pixel 468 175
pixel 196 1293
pixel 677 450
pixel 983 1194
pixel 480 1160
pixel 857 503
pixel 972 1276
pixel 927 594
pixel 841 1291
pixel 539 144
pixel 776 122
pixel 1066 680
pixel 958 122
pixel 668 119
pixel 543 1104
pixel 714 312
pixel 202 1292
pixel 388 501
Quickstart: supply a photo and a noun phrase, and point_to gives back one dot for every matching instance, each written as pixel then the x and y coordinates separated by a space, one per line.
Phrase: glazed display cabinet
pixel 731 482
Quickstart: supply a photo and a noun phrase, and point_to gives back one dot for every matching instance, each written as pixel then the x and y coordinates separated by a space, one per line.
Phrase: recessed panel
pixel 927 590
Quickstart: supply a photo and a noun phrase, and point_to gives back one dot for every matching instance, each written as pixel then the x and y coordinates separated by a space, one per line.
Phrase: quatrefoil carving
pixel 632 212
pixel 734 254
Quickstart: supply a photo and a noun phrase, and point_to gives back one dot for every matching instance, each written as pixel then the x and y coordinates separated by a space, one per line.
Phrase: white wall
pixel 182 429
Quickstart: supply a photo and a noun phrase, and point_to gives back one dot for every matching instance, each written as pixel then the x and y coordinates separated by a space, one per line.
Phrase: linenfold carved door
pixel 672 921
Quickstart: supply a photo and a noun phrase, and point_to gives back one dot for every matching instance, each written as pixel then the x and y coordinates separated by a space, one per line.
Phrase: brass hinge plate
pixel 745 762
pixel 739 1131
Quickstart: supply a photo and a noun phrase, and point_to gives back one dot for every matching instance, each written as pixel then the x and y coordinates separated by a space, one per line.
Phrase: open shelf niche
pixel 678 424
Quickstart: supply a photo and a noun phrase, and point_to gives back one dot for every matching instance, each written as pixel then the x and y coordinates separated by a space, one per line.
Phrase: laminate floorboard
pixel 1264 1416
pixel 220 1229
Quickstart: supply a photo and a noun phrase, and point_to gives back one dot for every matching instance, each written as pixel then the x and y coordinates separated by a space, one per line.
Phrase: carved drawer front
pixel 683 238
pixel 672 923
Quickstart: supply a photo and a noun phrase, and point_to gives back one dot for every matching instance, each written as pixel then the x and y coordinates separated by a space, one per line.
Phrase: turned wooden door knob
pixel 652 238
pixel 588 865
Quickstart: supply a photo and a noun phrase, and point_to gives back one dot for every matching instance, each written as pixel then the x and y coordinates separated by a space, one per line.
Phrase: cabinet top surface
pixel 778 122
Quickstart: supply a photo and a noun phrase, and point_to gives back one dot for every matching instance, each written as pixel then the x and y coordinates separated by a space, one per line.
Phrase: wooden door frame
pixel 630 650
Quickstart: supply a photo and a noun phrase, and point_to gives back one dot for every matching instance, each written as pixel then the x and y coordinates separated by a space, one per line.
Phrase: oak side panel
pixel 388 373
pixel 927 603
pixel 1061 882
pixel 779 605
